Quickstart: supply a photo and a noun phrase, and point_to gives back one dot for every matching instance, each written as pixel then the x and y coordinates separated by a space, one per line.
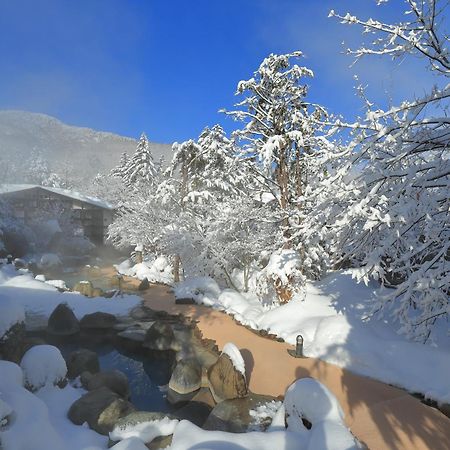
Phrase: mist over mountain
pixel 82 151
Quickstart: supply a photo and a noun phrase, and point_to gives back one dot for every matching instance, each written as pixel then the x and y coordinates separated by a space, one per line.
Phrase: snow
pixel 332 318
pixel 39 299
pixel 11 188
pixel 43 365
pixel 158 270
pixel 188 436
pixel 40 419
pixel 262 412
pixel 59 284
pixel 11 375
pixel 58 402
pixel 201 289
pixel 145 431
pixel 10 313
pixel 5 411
pixel 130 444
pixel 234 354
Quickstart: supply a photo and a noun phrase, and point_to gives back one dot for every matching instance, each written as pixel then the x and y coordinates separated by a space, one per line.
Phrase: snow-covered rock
pixel 43 365
pixel 235 355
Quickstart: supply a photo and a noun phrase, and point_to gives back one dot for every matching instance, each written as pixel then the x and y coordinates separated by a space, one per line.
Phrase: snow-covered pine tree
pixel 282 139
pixel 388 206
pixel 120 170
pixel 141 168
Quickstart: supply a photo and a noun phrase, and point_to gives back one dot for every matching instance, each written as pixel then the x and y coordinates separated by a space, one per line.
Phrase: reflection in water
pixel 144 374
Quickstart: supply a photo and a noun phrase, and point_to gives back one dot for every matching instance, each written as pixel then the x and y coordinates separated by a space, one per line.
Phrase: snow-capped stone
pixel 235 355
pixel 225 381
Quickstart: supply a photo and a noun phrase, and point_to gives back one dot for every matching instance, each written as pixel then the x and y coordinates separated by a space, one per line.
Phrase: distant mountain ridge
pixel 84 150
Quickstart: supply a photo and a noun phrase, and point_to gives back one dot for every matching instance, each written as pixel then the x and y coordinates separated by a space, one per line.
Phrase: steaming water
pixel 146 376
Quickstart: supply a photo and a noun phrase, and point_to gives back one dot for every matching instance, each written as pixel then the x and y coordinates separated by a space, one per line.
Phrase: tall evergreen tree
pixel 140 169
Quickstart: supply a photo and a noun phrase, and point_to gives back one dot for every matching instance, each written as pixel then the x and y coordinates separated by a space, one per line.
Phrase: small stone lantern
pixel 298 352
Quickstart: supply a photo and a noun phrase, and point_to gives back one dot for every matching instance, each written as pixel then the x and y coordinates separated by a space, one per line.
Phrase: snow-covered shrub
pixel 43 365
pixel 157 270
pixel 281 277
pixel 11 313
pixel 203 290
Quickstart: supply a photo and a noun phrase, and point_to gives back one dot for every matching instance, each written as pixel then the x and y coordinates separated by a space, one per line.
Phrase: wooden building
pixel 91 215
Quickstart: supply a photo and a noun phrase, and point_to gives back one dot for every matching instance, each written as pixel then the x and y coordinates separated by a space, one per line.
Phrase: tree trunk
pixel 176 268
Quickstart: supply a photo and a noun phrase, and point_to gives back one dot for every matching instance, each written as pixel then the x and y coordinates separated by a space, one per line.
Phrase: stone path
pixel 381 416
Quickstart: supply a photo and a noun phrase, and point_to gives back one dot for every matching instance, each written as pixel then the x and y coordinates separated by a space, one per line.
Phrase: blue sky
pixel 167 66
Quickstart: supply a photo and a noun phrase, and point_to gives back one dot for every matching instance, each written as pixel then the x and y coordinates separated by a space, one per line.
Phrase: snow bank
pixel 31 428
pixel 5 411
pixel 43 365
pixel 10 313
pixel 40 299
pixel 309 399
pixel 157 270
pixel 203 290
pixel 188 436
pixel 11 375
pixel 58 284
pixel 234 354
pixel 145 431
pixel 332 320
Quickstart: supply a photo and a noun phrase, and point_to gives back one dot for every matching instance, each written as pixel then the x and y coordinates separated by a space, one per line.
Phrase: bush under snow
pixel 203 290
pixel 43 365
pixel 158 270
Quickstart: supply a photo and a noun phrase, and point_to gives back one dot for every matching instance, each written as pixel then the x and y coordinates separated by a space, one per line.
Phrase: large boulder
pixel 187 377
pixel 62 321
pixel 225 381
pixel 80 361
pixel 114 380
pixel 101 409
pixel 98 320
pixel 85 288
pixel 160 337
pixel 233 416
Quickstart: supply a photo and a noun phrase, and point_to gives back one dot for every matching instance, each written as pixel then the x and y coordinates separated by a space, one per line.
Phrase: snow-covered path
pixel 379 415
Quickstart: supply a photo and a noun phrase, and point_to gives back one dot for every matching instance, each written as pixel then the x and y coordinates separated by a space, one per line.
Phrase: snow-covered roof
pixel 11 188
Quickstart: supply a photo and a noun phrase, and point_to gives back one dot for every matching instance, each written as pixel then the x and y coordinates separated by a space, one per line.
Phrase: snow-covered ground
pixel 332 318
pixel 39 299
